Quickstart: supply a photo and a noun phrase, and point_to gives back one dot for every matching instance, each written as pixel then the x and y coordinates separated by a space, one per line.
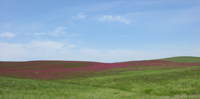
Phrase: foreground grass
pixel 151 82
pixel 183 83
pixel 12 88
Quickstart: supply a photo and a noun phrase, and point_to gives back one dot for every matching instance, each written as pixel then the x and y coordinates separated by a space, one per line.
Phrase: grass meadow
pixel 170 78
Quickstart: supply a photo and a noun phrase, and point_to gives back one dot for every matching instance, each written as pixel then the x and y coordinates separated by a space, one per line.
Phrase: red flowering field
pixel 48 70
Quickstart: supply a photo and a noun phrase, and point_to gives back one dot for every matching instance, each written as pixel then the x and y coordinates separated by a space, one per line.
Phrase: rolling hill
pixel 175 77
pixel 183 59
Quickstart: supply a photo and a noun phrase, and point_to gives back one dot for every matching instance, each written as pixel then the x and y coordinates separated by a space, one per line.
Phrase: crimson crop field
pixel 150 78
pixel 47 70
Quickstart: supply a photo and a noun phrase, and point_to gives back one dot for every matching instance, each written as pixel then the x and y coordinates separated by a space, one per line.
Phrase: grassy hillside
pixel 183 59
pixel 148 84
pixel 153 79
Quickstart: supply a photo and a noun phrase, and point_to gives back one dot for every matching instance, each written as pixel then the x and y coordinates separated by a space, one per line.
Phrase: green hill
pixel 149 79
pixel 183 59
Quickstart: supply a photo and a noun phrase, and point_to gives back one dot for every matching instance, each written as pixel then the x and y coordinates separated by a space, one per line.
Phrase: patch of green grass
pixel 149 84
pixel 183 59
pixel 152 82
pixel 12 88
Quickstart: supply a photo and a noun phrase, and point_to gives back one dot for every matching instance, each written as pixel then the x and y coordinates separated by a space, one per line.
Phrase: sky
pixel 98 30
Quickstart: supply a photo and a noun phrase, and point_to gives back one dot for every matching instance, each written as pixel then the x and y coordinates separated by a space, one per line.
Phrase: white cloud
pixel 90 52
pixel 150 2
pixel 52 50
pixel 39 33
pixel 71 23
pixel 74 35
pixel 11 52
pixel 79 16
pixel 71 46
pixel 35 50
pixel 111 18
pixel 6 25
pixel 46 44
pixel 59 31
pixel 7 34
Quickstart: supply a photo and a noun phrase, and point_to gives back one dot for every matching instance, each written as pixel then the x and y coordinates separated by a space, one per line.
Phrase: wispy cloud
pixel 79 16
pixel 59 31
pixel 150 2
pixel 46 44
pixel 74 35
pixel 37 49
pixel 112 18
pixel 7 34
pixel 39 33
pixel 53 50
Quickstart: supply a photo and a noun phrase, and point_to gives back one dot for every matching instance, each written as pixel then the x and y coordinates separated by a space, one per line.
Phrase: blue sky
pixel 98 30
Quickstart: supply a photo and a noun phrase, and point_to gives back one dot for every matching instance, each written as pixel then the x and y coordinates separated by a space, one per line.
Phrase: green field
pixel 183 59
pixel 142 82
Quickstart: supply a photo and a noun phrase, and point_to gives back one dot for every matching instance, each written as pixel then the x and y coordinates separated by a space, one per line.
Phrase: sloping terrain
pixel 177 77
pixel 183 59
